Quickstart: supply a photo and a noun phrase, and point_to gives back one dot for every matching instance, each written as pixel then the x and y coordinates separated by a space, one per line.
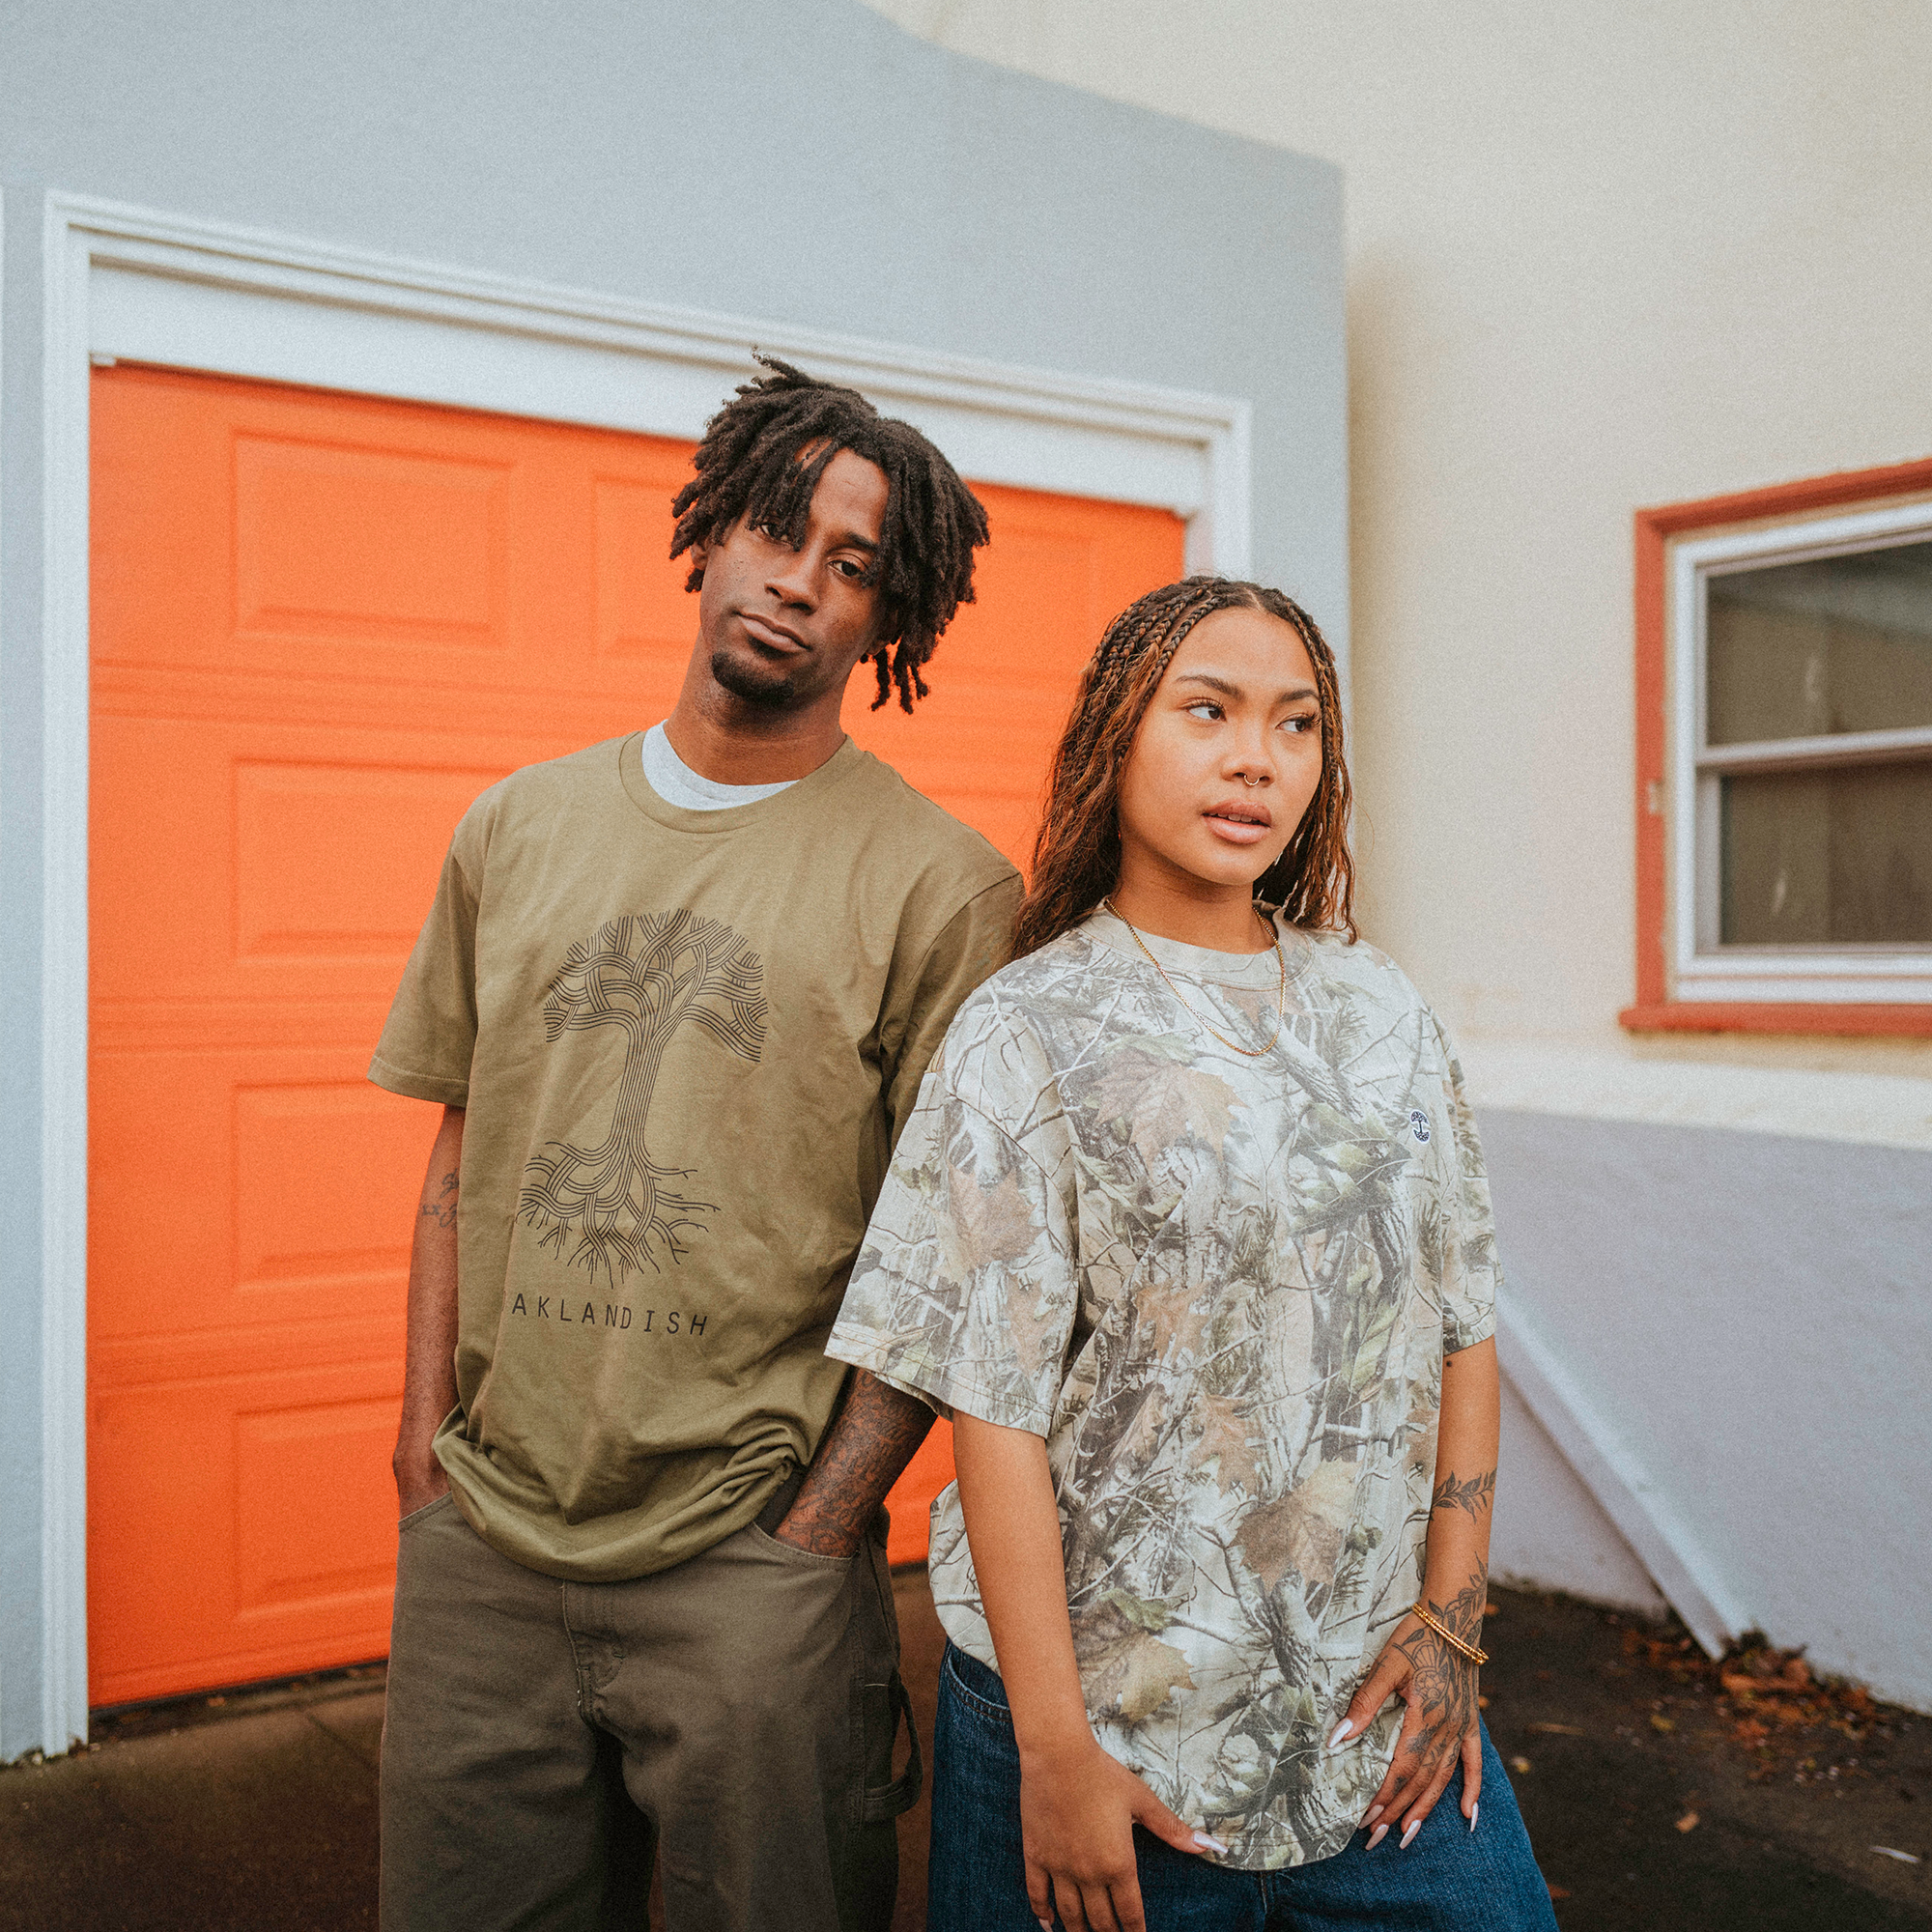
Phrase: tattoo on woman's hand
pixel 1442 1684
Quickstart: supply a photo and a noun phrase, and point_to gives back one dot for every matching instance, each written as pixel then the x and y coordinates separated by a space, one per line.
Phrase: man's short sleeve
pixel 966 1290
pixel 1470 1271
pixel 431 1033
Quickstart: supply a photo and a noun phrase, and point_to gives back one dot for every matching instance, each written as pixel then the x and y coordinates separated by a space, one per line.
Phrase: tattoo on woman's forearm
pixel 1464 1611
pixel 1476 1494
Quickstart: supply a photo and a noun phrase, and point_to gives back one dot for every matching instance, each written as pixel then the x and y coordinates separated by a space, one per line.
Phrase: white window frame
pixel 122 283
pixel 1702 968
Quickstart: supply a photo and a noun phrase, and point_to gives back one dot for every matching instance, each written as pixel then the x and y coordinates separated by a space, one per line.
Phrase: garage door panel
pixel 299 534
pixel 359 1154
pixel 208 1354
pixel 315 1507
pixel 263 863
pixel 267 1535
pixel 1035 578
pixel 370 545
pixel 330 857
pixel 159 885
pixel 161 1533
pixel 160 535
pixel 236 1188
pixel 160 1238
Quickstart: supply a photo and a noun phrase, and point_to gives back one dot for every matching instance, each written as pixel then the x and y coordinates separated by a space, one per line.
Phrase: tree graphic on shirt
pixel 612 1207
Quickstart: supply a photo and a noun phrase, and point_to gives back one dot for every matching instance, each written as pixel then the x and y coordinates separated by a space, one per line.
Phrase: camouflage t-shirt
pixel 1221 1288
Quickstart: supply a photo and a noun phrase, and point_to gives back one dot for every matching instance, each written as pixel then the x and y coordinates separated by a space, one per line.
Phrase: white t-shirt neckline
pixel 676 783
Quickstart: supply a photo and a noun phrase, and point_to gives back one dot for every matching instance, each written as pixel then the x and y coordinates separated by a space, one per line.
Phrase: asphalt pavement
pixel 1663 1794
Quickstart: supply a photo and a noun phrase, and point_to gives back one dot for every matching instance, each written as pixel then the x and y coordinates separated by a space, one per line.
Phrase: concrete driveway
pixel 257 1812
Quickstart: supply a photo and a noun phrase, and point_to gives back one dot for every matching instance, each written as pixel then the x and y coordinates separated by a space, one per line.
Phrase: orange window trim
pixel 1654 1010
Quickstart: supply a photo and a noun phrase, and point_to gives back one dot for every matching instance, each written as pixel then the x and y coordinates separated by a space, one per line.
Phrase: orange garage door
pixel 322 624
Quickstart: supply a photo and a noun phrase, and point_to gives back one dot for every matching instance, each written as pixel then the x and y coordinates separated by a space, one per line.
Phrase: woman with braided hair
pixel 1190 1236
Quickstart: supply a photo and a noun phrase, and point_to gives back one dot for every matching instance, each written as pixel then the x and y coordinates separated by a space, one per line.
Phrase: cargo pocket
pixel 881 1706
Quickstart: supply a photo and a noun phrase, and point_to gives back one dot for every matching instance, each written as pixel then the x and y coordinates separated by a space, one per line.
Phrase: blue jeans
pixel 1449 1879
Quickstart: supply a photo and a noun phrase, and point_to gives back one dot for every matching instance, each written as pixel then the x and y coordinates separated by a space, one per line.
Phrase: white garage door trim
pixel 122 283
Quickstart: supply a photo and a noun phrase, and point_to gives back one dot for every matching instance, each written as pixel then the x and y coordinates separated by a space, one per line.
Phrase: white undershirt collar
pixel 676 783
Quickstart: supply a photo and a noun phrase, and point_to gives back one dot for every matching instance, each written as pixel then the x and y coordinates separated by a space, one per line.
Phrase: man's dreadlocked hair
pixel 761 459
pixel 1076 859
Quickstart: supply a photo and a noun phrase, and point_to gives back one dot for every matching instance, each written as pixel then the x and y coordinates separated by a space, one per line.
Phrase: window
pixel 1785 822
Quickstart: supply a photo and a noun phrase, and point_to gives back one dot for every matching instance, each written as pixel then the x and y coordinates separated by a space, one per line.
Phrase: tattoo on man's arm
pixel 860 1460
pixel 443 1209
pixel 1476 1494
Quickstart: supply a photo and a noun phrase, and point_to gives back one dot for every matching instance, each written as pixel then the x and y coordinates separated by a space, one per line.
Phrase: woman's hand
pixel 1078 1806
pixel 1439 1725
pixel 1078 1810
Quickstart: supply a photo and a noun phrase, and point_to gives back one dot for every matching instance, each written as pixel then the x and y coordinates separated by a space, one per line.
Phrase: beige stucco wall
pixel 1601 256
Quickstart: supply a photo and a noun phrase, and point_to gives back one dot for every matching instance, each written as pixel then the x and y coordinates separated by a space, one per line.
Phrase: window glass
pixel 1837 856
pixel 1804 650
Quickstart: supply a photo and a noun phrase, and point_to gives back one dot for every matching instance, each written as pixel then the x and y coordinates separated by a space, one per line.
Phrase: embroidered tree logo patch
pixel 613 1206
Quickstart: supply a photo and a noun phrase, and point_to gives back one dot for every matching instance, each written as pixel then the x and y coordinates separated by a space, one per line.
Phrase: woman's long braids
pixel 761 459
pixel 1076 859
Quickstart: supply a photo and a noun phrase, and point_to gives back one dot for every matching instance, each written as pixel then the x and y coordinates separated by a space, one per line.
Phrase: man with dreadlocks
pixel 675 996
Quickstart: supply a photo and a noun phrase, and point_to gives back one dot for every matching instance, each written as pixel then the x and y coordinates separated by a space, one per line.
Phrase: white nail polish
pixel 1408 1836
pixel 1376 1837
pixel 1474 1810
pixel 1208 1844
pixel 1374 1813
pixel 1340 1732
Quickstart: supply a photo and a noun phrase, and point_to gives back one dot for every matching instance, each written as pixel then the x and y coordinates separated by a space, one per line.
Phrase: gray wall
pixel 805 162
pixel 800 159
pixel 1751 1315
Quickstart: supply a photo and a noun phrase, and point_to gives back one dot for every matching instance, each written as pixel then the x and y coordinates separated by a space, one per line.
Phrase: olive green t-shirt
pixel 686 1042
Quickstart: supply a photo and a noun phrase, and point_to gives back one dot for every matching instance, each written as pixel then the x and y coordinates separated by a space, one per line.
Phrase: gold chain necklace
pixel 1280 994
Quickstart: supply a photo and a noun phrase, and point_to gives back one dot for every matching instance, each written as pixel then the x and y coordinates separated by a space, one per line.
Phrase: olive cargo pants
pixel 732 1717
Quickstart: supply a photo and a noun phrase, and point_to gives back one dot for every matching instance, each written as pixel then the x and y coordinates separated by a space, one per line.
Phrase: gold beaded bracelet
pixel 1474 1652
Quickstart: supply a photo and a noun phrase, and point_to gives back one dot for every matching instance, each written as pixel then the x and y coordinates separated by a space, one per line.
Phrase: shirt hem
pixel 1468 1336
pixel 531 1541
pixel 944 1394
pixel 412 1086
